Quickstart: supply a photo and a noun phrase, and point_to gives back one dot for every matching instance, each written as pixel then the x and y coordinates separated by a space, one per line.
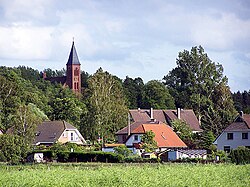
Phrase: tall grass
pixel 125 175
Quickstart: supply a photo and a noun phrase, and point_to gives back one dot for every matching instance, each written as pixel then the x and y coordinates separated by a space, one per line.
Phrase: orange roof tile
pixel 164 135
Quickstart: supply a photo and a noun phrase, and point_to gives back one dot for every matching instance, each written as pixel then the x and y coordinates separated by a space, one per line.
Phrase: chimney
pixel 151 114
pixel 178 113
pixel 139 109
pixel 129 130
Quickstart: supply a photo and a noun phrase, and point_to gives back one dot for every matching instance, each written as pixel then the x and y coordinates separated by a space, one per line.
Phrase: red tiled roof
pixel 164 135
pixel 136 127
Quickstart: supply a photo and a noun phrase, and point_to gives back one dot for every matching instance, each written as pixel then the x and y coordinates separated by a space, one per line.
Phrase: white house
pixel 50 132
pixel 235 135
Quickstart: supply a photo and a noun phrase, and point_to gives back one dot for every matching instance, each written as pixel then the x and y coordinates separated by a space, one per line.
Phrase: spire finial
pixel 73 39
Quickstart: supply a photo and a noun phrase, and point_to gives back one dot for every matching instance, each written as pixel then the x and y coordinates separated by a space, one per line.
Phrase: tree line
pixel 197 83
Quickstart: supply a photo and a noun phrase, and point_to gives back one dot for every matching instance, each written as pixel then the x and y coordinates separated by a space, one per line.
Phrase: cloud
pixel 126 37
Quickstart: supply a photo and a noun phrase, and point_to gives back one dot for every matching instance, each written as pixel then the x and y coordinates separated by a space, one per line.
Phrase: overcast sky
pixel 138 38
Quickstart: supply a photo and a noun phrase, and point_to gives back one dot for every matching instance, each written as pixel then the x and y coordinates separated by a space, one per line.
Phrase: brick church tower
pixel 73 79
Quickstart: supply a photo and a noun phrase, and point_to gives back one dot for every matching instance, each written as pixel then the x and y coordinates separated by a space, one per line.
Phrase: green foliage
pixel 13 148
pixel 134 92
pixel 199 83
pixel 102 174
pixel 241 155
pixel 207 138
pixel 183 130
pixel 157 96
pixel 107 111
pixel 242 101
pixel 122 150
pixel 149 144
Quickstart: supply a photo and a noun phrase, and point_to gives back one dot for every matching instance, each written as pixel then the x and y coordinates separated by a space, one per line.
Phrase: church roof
pixel 73 58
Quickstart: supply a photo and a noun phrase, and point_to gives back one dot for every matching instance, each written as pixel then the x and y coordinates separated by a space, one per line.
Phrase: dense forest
pixel 195 83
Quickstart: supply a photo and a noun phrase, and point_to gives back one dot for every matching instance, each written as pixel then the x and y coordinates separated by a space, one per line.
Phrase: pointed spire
pixel 73 58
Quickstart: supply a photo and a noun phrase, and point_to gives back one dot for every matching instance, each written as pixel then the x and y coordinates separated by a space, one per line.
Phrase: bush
pixel 123 150
pixel 241 155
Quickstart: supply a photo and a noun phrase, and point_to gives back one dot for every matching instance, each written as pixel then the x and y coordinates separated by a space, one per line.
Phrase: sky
pixel 126 37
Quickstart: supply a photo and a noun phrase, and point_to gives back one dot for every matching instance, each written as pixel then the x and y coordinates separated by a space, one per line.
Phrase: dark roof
pixel 73 58
pixel 240 123
pixel 135 127
pixel 166 116
pixel 50 131
pixel 61 80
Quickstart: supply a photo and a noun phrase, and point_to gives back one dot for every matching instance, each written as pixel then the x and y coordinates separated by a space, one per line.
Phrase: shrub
pixel 241 155
pixel 123 150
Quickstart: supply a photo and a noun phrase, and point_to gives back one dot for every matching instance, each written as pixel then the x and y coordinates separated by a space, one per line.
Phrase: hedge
pixel 241 155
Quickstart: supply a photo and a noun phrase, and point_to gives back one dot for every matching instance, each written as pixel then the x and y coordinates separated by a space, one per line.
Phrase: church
pixel 73 73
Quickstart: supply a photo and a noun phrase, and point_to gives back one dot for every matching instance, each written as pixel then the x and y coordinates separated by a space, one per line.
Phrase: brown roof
pixel 50 131
pixel 61 80
pixel 167 116
pixel 240 123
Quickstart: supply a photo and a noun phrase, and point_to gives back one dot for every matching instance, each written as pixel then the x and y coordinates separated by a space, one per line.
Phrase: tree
pixel 13 148
pixel 123 150
pixel 183 130
pixel 107 111
pixel 157 96
pixel 134 91
pixel 149 144
pixel 196 83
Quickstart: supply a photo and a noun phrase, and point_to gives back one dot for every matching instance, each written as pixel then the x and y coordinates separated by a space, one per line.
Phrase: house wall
pixel 70 136
pixel 237 140
pixel 132 140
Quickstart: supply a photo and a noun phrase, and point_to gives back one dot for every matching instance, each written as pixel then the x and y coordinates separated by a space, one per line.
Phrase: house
pixel 73 74
pixel 235 135
pixel 165 137
pixel 167 116
pixel 50 132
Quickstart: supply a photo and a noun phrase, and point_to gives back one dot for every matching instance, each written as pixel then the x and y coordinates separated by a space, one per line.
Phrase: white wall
pixel 237 140
pixel 132 140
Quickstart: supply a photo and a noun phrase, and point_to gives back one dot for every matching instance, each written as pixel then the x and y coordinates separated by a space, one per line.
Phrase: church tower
pixel 73 79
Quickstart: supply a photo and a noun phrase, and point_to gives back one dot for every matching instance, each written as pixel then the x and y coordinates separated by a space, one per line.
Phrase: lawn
pixel 98 174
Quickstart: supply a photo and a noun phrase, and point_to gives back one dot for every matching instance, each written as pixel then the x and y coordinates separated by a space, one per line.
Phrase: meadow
pixel 99 174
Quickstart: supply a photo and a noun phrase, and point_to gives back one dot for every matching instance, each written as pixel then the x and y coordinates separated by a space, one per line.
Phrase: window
pixel 245 135
pixel 230 136
pixel 227 149
pixel 136 137
pixel 72 136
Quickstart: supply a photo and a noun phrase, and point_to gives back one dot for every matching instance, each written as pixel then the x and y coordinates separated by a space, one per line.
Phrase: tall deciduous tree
pixel 196 83
pixel 157 96
pixel 106 104
pixel 134 91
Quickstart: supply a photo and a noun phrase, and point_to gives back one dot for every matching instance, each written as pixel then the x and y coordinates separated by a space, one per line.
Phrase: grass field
pixel 98 174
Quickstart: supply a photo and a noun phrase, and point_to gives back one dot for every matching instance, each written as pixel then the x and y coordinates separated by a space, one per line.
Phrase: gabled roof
pixel 164 135
pixel 50 131
pixel 136 127
pixel 73 58
pixel 167 116
pixel 240 123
